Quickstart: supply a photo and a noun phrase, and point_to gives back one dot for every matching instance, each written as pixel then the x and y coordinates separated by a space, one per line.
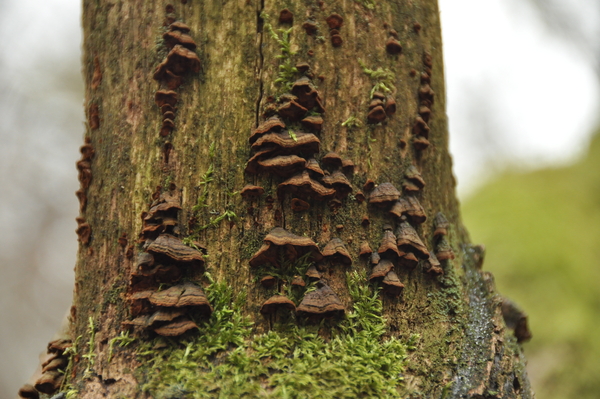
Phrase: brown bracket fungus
pixel 408 260
pixel 312 273
pixel 516 320
pixel 384 194
pixel 332 160
pixel 392 285
pixel 420 143
pixel 314 123
pixel 275 303
pixel 304 187
pixel 176 328
pixel 272 125
pixel 388 245
pixel 339 182
pixel 175 249
pixel 294 246
pixel 179 61
pixel 322 302
pixel 365 249
pixel 426 95
pixel 336 40
pixel 268 281
pixel 441 225
pixel 183 295
pixel 306 94
pixel 409 207
pixel 443 250
pixel 409 241
pixel 180 26
pixel 286 16
pixel 299 205
pixel 292 110
pixel 335 251
pixel 383 267
pixel 313 166
pixel 162 97
pixel 390 106
pixel 376 115
pixel 335 21
pixel 284 143
pixel 250 192
pixel 282 165
pixel 84 231
pixel 49 382
pixel 393 46
pixel 435 267
pixel 310 27
pixel 175 37
pixel 27 391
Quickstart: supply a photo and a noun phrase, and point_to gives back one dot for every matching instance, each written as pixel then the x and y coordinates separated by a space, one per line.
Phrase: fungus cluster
pixel 278 150
pixel 84 166
pixel 335 22
pixel 180 60
pixel 53 371
pixel 392 45
pixel 164 262
pixel 426 96
pixel 281 249
pixel 443 250
pixel 380 108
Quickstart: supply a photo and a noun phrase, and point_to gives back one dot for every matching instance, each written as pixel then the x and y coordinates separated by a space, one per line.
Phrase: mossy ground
pixel 292 360
pixel 542 230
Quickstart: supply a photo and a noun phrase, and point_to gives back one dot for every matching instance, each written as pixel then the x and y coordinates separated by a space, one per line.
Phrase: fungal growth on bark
pixel 53 370
pixel 426 95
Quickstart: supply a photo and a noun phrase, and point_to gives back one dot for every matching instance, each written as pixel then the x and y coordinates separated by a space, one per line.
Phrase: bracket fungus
pixel 162 97
pixel 84 231
pixel 313 123
pixel 388 245
pixel 393 46
pixel 408 260
pixel 435 267
pixel 440 224
pixel 180 60
pixel 282 165
pixel 306 94
pixel 384 194
pixel 268 281
pixel 313 166
pixel 180 26
pixel 175 249
pixel 376 115
pixel 332 160
pixel 392 284
pixel 409 241
pixel 299 205
pixel 284 143
pixel 52 369
pixel 334 21
pixel 410 207
pixel 304 187
pixel 365 249
pixel 182 295
pixel 335 250
pixel 322 302
pixel 383 267
pixel 286 16
pixel 294 246
pixel 176 328
pixel 413 176
pixel 443 250
pixel 292 110
pixel 275 303
pixel 339 182
pixel 27 391
pixel 175 37
pixel 272 125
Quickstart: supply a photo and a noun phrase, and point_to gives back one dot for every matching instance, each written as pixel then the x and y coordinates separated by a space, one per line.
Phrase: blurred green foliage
pixel 542 234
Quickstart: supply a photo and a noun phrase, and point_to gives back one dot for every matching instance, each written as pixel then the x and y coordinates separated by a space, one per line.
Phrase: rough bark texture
pixel 464 348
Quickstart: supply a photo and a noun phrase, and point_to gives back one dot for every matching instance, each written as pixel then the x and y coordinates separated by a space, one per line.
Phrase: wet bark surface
pixel 245 50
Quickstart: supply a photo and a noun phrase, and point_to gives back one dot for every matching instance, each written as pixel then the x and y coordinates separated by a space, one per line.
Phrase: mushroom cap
pixel 27 391
pixel 425 112
pixel 339 182
pixel 58 362
pixel 252 164
pixel 384 194
pixel 268 281
pixel 185 294
pixel 409 239
pixel 305 92
pixel 59 345
pixel 312 273
pixel 251 191
pixel 177 37
pixel 179 61
pixel 284 143
pixel 376 115
pixel 174 248
pixel 388 245
pixel 302 186
pixel 375 102
pixel 435 266
pixel 49 382
pixel 273 124
pixel 381 269
pixel 162 97
pixel 335 21
pixel 421 128
pixel 392 284
pixel 412 174
pixel 390 106
pixel 286 16
pixel 298 281
pixel 336 249
pixel 443 250
pixel 369 185
pixel 408 260
pixel 393 46
pixel 292 110
pixel 313 166
pixel 379 95
pixel 348 166
pixel 332 159
pixel 409 187
pixel 420 143
pixel 365 249
pixel 321 302
pixel 302 67
pixel 411 207
pixel 164 315
pixel 176 327
pixel 279 237
pixel 180 26
pixel 275 303
pixel 441 224
pixel 336 40
pixel 313 123
pixel 282 165
pixel 375 258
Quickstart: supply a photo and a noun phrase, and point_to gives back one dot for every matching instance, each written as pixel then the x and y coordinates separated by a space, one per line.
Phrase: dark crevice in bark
pixel 260 32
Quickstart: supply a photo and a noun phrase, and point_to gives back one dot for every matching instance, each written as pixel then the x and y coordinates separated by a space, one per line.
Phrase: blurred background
pixel 523 94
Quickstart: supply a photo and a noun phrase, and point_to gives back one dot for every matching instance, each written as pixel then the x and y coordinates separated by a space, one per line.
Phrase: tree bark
pixel 451 324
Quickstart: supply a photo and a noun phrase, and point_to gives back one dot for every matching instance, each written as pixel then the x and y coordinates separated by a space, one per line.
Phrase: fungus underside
pixel 289 361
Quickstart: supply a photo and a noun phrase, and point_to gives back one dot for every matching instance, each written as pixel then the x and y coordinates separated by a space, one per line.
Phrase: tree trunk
pixel 442 336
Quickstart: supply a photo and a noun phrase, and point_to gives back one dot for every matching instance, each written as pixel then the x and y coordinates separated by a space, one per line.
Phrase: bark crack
pixel 260 33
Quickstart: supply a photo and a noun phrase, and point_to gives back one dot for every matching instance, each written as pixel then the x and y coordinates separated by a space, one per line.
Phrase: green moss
pixel 289 361
pixel 383 79
pixel 287 71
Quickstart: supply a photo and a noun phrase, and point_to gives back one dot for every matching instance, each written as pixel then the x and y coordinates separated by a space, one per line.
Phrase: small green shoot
pixel 384 79
pixel 287 70
pixel 293 135
pixel 91 347
pixel 122 340
pixel 352 122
